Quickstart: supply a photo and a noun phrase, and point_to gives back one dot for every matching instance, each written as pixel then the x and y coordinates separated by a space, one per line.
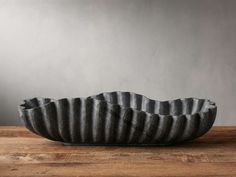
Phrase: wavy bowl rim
pixel 210 106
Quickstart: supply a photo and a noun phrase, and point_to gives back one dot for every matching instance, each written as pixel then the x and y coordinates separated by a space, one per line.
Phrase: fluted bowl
pixel 118 118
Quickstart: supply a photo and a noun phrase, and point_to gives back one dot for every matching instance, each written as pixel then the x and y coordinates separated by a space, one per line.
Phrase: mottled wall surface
pixel 161 49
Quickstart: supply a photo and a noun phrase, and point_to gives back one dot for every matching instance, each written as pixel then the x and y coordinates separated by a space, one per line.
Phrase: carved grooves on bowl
pixel 118 118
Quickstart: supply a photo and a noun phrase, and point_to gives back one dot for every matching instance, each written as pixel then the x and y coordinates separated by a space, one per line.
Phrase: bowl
pixel 118 118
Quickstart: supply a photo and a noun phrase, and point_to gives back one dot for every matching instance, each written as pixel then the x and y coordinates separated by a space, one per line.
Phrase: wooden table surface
pixel 25 154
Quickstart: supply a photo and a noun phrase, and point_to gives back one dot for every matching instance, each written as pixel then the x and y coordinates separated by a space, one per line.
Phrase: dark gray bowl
pixel 118 118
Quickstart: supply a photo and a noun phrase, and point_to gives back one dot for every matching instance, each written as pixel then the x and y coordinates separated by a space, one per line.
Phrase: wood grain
pixel 25 154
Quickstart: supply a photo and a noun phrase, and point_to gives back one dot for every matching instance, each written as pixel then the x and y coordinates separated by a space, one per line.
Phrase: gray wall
pixel 162 49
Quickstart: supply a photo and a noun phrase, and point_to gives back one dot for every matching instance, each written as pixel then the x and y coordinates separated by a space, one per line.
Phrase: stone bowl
pixel 118 118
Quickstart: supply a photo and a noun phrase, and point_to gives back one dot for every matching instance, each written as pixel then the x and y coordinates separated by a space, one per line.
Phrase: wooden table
pixel 25 154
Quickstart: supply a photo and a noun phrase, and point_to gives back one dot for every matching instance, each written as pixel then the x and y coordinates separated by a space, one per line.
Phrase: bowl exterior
pixel 93 121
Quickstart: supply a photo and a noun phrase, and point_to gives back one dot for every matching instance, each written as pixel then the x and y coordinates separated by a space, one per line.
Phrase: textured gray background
pixel 161 49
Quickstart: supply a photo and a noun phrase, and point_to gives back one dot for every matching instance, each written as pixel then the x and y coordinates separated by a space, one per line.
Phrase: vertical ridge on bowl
pixel 191 124
pixel 48 117
pixel 178 125
pixel 75 112
pixel 63 116
pixel 137 126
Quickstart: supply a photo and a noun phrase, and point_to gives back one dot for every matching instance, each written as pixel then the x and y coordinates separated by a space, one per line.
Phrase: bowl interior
pixel 141 103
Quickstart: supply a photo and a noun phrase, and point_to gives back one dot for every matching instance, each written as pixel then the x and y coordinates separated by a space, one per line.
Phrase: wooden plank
pixel 25 154
pixel 129 168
